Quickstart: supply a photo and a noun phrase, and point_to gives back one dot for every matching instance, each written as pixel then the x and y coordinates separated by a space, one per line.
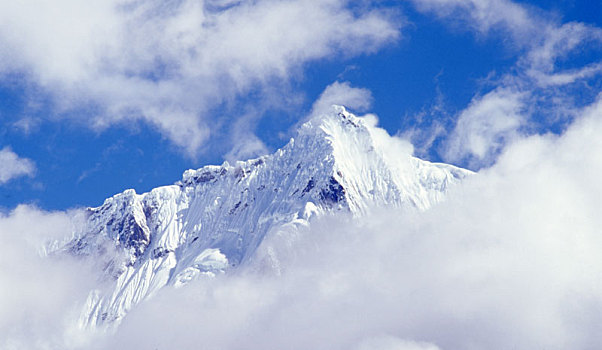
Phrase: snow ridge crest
pixel 215 218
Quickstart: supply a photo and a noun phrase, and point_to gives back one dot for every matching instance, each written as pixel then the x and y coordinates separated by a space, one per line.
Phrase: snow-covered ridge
pixel 216 217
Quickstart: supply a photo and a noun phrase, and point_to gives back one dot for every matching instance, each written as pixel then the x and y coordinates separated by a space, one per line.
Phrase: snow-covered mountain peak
pixel 318 142
pixel 336 126
pixel 215 218
pixel 332 121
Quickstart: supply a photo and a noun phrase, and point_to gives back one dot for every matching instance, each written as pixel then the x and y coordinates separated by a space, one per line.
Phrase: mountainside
pixel 215 218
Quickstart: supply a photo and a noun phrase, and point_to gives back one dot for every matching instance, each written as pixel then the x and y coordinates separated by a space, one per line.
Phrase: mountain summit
pixel 216 217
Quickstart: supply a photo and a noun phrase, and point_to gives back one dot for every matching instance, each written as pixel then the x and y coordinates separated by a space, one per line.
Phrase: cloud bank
pixel 510 260
pixel 13 166
pixel 172 64
pixel 40 296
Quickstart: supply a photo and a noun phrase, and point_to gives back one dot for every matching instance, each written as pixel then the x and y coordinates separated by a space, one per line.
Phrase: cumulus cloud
pixel 13 166
pixel 172 63
pixel 509 260
pixel 40 296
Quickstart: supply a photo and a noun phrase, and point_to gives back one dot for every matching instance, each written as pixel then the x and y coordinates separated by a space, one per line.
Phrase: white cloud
pixel 392 343
pixel 485 127
pixel 558 43
pixel 343 94
pixel 510 260
pixel 172 63
pixel 246 144
pixel 359 100
pixel 12 166
pixel 535 94
pixel 40 296
pixel 483 16
pixel 27 125
pixel 426 127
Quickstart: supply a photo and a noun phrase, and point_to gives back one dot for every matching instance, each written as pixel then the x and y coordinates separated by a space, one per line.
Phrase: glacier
pixel 215 218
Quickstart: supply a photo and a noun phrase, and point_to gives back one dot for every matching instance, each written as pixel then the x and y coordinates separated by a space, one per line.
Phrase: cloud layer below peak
pixel 509 260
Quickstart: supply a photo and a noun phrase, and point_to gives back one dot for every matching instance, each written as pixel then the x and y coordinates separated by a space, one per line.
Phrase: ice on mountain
pixel 216 217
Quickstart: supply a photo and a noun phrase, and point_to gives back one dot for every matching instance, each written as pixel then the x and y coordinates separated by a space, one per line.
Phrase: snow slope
pixel 215 218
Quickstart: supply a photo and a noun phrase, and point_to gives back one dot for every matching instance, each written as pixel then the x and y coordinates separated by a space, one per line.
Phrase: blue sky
pixel 99 96
pixel 117 94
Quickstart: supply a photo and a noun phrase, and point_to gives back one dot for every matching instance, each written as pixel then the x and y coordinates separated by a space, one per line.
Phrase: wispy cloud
pixel 486 126
pixel 12 166
pixel 245 143
pixel 172 63
pixel 487 16
pixel 536 94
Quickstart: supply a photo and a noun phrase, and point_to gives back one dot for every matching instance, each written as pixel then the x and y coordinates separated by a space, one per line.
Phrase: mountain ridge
pixel 215 217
